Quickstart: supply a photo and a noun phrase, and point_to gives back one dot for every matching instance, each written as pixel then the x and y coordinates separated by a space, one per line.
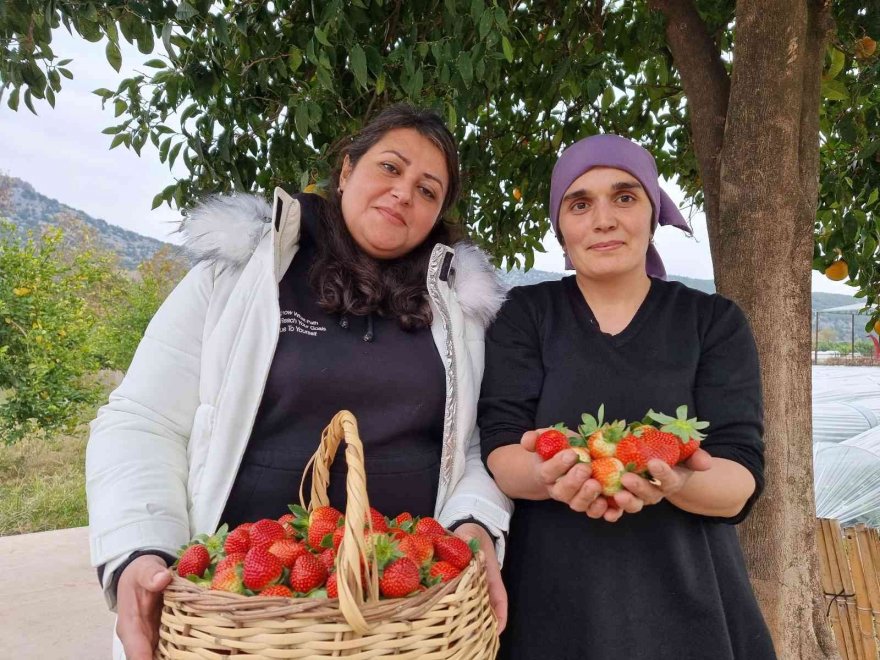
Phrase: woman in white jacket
pixel 293 312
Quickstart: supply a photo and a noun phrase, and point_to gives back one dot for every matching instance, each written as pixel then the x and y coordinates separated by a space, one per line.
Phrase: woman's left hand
pixel 638 491
pixel 497 592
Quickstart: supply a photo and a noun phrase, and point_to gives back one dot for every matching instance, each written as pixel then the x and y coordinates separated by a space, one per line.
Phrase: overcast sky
pixel 63 154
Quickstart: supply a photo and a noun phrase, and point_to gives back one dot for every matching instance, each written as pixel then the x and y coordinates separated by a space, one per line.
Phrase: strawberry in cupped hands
pixel 686 430
pixel 552 441
pixel 607 470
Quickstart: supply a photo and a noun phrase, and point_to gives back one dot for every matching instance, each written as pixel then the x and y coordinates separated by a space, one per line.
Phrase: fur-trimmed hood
pixel 227 229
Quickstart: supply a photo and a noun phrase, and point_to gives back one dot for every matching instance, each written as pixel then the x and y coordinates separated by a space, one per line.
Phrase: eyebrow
pixel 620 185
pixel 406 160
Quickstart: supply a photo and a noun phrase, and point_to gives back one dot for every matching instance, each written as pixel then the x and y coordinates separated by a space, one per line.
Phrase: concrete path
pixel 51 606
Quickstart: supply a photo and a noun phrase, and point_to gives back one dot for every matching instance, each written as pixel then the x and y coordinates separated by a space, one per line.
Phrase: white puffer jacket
pixel 164 452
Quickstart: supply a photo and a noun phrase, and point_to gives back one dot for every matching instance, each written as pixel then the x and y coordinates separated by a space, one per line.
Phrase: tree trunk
pixel 763 250
pixel 760 176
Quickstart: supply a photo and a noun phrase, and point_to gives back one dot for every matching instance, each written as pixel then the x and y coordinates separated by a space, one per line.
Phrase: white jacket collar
pixel 227 229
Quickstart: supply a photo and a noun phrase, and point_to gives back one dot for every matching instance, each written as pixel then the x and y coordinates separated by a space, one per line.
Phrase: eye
pixel 389 167
pixel 427 192
pixel 579 206
pixel 626 198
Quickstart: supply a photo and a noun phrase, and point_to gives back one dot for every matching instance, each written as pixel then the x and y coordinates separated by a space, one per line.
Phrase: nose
pixel 604 216
pixel 401 192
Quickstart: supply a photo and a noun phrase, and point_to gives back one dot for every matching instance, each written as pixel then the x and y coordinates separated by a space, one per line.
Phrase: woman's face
pixel 605 220
pixel 391 198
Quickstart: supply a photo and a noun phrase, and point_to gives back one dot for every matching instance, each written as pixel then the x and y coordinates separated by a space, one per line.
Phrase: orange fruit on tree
pixel 865 47
pixel 837 271
pixel 877 326
pixel 517 194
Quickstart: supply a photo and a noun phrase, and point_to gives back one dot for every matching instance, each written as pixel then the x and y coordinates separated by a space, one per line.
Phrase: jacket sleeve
pixel 136 459
pixel 476 493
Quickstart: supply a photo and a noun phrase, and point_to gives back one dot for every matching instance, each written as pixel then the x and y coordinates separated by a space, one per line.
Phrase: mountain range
pixel 31 211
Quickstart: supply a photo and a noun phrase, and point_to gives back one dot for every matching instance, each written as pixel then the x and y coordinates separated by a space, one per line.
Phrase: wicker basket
pixel 450 620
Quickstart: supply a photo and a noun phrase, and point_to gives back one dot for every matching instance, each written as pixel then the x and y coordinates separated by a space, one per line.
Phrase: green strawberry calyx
pixel 590 423
pixel 686 429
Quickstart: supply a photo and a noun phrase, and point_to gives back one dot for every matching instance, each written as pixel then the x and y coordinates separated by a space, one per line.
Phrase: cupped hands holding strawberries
pixel 606 469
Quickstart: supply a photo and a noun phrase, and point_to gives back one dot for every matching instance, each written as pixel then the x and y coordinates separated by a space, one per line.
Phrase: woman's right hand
pixel 564 478
pixel 139 605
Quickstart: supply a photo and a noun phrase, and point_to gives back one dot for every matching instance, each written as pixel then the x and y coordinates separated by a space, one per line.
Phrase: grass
pixel 43 484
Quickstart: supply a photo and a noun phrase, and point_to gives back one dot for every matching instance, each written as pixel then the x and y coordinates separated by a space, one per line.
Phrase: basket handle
pixel 353 549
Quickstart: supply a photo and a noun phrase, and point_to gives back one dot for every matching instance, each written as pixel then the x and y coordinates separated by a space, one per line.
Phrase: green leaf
pixel 113 55
pixel 485 24
pixel 301 120
pixel 465 67
pixel 119 139
pixel 873 197
pixel 321 36
pixel 294 58
pixel 359 65
pixel 221 29
pixel 834 90
pixel 103 92
pixel 185 11
pixel 156 63
pixel 172 156
pixel 838 59
pixel 28 101
pixel 13 99
pixel 507 48
pixel 66 73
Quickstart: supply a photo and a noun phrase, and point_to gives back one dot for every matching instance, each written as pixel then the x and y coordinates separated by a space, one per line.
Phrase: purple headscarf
pixel 622 154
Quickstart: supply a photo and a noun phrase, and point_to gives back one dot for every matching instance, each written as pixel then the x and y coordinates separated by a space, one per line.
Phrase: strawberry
pixel 686 430
pixel 328 558
pixel 418 547
pixel 288 551
pixel 286 522
pixel 607 471
pixel 630 452
pixel 194 561
pixel 238 540
pixel 325 513
pixel 276 591
pixel 583 454
pixel 265 532
pixel 332 589
pixel 444 570
pixel 318 530
pixel 400 578
pixel 228 580
pixel 453 550
pixel 403 518
pixel 659 444
pixel 552 441
pixel 229 561
pixel 337 537
pixel 428 526
pixel 378 520
pixel 261 567
pixel 687 449
pixel 308 573
pixel 603 441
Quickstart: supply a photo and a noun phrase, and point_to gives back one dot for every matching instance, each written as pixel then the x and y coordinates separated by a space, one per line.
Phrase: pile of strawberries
pixel 295 555
pixel 614 448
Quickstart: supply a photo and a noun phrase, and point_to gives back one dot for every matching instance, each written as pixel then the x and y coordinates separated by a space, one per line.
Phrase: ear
pixel 344 173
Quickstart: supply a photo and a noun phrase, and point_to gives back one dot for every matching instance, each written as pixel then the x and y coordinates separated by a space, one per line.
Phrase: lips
pixel 391 215
pixel 606 245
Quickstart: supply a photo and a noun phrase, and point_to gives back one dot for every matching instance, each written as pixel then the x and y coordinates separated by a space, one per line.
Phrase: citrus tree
pixel 759 110
pixel 47 364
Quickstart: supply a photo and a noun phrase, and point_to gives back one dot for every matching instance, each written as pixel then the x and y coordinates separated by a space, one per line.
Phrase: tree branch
pixel 706 85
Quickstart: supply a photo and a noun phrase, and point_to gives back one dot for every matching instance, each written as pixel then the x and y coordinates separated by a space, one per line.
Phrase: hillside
pixel 30 211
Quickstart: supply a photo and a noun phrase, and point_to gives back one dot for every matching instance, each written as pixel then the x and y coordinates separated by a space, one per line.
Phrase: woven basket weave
pixel 450 620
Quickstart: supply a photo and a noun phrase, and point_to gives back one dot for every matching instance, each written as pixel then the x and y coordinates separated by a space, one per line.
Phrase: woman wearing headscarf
pixel 667 579
pixel 361 301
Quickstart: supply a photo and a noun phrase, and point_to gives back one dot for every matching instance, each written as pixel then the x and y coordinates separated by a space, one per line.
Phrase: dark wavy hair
pixel 349 281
